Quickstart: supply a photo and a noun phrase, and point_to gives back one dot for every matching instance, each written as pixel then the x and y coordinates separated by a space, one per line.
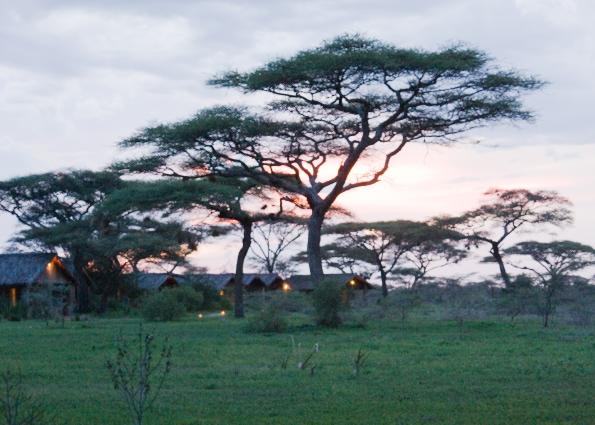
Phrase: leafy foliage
pixel 163 306
pixel 138 374
pixel 329 301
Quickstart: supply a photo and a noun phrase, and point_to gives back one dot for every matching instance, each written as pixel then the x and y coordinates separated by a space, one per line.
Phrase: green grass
pixel 424 372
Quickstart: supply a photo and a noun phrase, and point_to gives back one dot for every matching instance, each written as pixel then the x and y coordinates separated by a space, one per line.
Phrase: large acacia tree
pixel 225 198
pixel 333 105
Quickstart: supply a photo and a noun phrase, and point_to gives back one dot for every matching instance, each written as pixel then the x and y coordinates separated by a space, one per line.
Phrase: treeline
pixel 287 160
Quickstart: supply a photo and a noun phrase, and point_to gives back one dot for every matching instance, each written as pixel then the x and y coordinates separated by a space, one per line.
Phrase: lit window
pixel 13 296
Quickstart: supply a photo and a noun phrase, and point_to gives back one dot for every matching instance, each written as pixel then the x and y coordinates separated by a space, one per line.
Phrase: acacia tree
pixel 270 241
pixel 44 202
pixel 387 244
pixel 553 264
pixel 350 98
pixel 223 197
pixel 436 251
pixel 504 212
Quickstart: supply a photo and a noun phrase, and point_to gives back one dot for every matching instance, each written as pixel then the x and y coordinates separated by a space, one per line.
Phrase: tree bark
pixel 238 304
pixel 383 281
pixel 82 285
pixel 495 251
pixel 314 252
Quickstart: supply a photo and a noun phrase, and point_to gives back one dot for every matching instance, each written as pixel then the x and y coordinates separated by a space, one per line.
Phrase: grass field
pixel 424 372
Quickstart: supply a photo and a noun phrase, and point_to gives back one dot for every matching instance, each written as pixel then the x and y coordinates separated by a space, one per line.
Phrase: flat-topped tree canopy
pixel 351 97
pixel 42 200
pixel 389 245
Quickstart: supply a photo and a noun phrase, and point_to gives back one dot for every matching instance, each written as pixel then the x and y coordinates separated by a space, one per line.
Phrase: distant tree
pixel 270 241
pixel 552 264
pixel 333 105
pixel 438 250
pixel 386 245
pixel 504 212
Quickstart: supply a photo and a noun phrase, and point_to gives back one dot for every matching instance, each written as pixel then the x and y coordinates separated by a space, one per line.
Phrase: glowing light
pixel 223 313
pixel 286 287
pixel 221 293
pixel 352 282
pixel 13 296
pixel 199 315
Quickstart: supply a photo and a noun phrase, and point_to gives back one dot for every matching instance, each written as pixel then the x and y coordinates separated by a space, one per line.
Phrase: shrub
pixel 40 305
pixel 17 405
pixel 211 298
pixel 162 306
pixel 138 372
pixel 191 299
pixel 13 313
pixel 329 301
pixel 270 319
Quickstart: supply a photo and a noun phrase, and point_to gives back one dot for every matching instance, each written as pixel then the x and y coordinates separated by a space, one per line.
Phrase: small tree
pixel 270 241
pixel 518 298
pixel 138 374
pixel 504 212
pixel 553 263
pixel 329 300
pixel 17 406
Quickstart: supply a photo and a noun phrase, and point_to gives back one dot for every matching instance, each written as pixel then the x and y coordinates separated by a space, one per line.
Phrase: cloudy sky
pixel 78 76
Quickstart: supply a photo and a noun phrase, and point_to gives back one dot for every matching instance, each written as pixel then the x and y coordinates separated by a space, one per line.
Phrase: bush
pixel 191 299
pixel 270 319
pixel 162 306
pixel 211 298
pixel 329 301
pixel 14 313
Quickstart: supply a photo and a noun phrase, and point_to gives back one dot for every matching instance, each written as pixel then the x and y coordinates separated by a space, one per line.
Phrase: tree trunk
pixel 495 251
pixel 238 304
pixel 314 252
pixel 82 285
pixel 383 280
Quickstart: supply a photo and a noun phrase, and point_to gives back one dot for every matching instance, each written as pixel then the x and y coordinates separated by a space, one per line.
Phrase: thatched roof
pixel 153 281
pixel 25 268
pixel 267 279
pixel 221 280
pixel 304 282
pixel 218 281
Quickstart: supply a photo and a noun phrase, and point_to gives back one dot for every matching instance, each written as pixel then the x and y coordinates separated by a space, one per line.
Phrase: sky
pixel 76 77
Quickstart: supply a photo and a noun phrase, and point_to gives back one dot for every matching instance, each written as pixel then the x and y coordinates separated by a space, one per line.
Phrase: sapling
pixel 137 374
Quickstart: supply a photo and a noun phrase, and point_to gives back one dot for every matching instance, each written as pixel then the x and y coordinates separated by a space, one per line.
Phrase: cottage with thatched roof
pixel 156 281
pixel 25 273
pixel 225 281
pixel 305 283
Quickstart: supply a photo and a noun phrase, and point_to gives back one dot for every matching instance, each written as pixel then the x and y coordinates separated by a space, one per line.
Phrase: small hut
pixel 305 283
pixel 156 281
pixel 25 273
pixel 224 282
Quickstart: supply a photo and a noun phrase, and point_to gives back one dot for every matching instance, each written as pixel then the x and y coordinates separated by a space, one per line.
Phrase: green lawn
pixel 420 373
